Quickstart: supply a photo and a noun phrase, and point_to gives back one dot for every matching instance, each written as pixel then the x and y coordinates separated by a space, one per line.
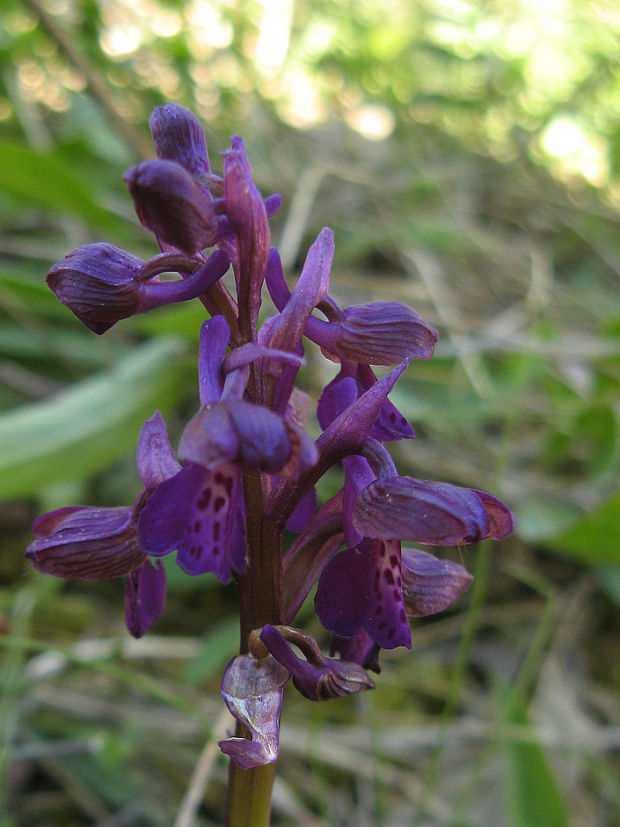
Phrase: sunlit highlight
pixel 274 33
pixel 373 121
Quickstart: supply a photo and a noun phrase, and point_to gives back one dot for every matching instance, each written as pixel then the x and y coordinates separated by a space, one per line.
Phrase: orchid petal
pixel 156 459
pixel 199 513
pixel 86 543
pixel 145 597
pixel 433 513
pixel 361 588
pixel 430 585
pixel 214 338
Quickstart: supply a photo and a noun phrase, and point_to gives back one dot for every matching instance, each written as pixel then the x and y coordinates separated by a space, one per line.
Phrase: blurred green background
pixel 467 156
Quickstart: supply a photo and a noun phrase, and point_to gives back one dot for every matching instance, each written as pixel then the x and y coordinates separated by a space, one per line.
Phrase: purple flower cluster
pixel 248 436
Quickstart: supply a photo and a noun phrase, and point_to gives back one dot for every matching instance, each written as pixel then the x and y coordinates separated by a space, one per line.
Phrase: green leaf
pixel 594 537
pixel 42 179
pixel 532 796
pixel 83 429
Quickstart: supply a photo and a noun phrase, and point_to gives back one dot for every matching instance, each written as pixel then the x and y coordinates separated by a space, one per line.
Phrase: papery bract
pixel 252 690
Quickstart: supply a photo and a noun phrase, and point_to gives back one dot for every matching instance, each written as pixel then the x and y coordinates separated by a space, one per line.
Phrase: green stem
pixel 249 791
pixel 249 796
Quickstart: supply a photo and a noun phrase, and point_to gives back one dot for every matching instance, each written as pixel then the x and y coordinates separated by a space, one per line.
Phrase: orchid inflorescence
pixel 246 468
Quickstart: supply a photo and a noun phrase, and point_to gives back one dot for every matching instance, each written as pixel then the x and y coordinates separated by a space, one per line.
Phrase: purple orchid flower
pixel 246 454
pixel 89 543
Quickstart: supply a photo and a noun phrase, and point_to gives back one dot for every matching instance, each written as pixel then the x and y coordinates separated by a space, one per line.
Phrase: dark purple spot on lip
pixel 205 499
pixel 382 625
pixel 392 417
pixel 219 503
pixel 216 550
pixel 228 485
pixel 216 532
pixel 388 576
pixel 382 550
pixel 378 610
pixel 393 561
pixel 391 633
pixel 197 526
pixel 403 616
pixel 399 582
pixel 219 477
pixel 396 594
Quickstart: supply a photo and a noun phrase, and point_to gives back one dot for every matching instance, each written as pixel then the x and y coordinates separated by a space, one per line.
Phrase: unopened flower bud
pixel 96 282
pixel 103 284
pixel 172 205
pixel 178 136
pixel 318 677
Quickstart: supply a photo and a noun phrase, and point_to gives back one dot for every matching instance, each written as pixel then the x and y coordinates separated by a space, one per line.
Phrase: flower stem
pixel 249 796
pixel 249 791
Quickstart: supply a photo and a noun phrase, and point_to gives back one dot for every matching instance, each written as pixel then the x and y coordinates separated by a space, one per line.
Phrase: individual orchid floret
pixel 103 284
pixel 252 690
pixel 316 676
pixel 344 436
pixel 227 428
pixel 380 333
pixel 90 543
pixel 432 513
pixel 247 215
pixel 361 588
pixel 389 425
pixel 200 514
pixel 172 205
pixel 430 585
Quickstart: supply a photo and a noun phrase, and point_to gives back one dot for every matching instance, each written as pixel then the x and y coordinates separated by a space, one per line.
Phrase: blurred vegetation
pixel 467 156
